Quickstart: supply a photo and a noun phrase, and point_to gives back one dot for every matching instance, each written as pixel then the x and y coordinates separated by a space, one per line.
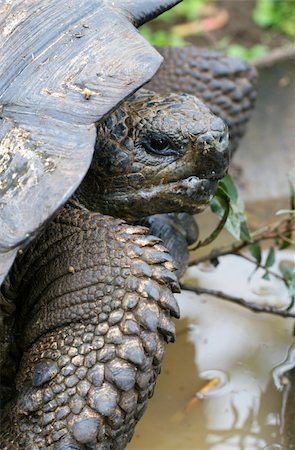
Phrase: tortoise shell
pixel 64 66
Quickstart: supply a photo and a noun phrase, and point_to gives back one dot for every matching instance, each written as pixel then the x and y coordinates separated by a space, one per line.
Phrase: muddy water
pixel 232 349
pixel 217 340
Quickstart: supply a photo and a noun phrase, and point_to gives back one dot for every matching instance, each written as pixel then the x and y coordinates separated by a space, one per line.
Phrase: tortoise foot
pixel 84 387
pixel 93 343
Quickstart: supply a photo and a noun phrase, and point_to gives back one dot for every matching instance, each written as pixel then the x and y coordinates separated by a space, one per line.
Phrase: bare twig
pixel 284 238
pixel 273 231
pixel 215 233
pixel 262 266
pixel 275 56
pixel 239 301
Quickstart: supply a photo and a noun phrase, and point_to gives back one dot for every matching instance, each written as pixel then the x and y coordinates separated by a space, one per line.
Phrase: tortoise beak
pixel 212 151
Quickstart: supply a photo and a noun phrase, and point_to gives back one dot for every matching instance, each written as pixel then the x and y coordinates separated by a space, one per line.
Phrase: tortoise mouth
pixel 190 195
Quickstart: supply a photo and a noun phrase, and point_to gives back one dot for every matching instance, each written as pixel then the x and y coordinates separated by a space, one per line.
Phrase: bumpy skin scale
pixel 73 62
pixel 129 179
pixel 226 85
pixel 95 307
pixel 93 294
pixel 177 231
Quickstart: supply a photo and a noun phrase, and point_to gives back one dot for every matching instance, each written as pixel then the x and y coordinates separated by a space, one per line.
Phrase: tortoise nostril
pixel 214 140
pixel 222 142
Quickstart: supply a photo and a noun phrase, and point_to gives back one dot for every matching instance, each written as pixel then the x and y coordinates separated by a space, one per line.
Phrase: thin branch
pixel 275 56
pixel 262 266
pixel 239 301
pixel 266 233
pixel 215 233
pixel 284 238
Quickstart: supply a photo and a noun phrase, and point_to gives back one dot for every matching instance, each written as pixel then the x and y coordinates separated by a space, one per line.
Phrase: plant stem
pixel 239 301
pixel 261 266
pixel 270 232
pixel 284 238
pixel 215 233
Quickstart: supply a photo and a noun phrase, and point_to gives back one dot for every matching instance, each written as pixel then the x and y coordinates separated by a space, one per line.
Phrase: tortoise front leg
pixel 177 231
pixel 96 313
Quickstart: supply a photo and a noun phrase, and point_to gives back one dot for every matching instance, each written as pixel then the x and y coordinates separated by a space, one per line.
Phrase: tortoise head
pixel 156 154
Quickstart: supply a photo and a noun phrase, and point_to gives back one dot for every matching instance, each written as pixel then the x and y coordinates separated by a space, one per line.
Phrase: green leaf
pixel 219 205
pixel 236 223
pixel 271 257
pixel 226 200
pixel 276 13
pixel 188 10
pixel 223 211
pixel 255 251
pixel 283 244
pixel 264 13
pixel 239 51
pixel 287 269
pixel 162 38
pixel 233 224
pixel 245 233
pixel 229 187
pixel 266 276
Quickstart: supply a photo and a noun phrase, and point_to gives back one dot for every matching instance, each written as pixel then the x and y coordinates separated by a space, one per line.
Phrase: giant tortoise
pixel 87 304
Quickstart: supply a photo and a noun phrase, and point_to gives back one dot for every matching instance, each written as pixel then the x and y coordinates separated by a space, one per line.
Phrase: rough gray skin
pixel 157 154
pixel 95 307
pixel 93 294
pixel 177 231
pixel 226 85
pixel 64 66
pixel 72 283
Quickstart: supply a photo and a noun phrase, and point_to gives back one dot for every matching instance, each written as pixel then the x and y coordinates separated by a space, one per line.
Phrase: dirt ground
pixel 241 28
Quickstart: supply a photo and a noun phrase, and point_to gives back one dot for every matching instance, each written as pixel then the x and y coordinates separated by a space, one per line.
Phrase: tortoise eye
pixel 160 145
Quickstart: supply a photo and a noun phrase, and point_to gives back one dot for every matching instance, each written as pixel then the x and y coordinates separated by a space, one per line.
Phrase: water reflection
pixel 218 340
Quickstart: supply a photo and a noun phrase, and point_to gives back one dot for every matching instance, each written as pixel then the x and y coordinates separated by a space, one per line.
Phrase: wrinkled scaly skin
pixel 93 294
pixel 63 67
pixel 94 314
pixel 177 231
pixel 156 154
pixel 226 85
pixel 94 297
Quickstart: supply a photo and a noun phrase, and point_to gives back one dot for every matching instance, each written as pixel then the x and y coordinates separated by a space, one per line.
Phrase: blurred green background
pixel 244 28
